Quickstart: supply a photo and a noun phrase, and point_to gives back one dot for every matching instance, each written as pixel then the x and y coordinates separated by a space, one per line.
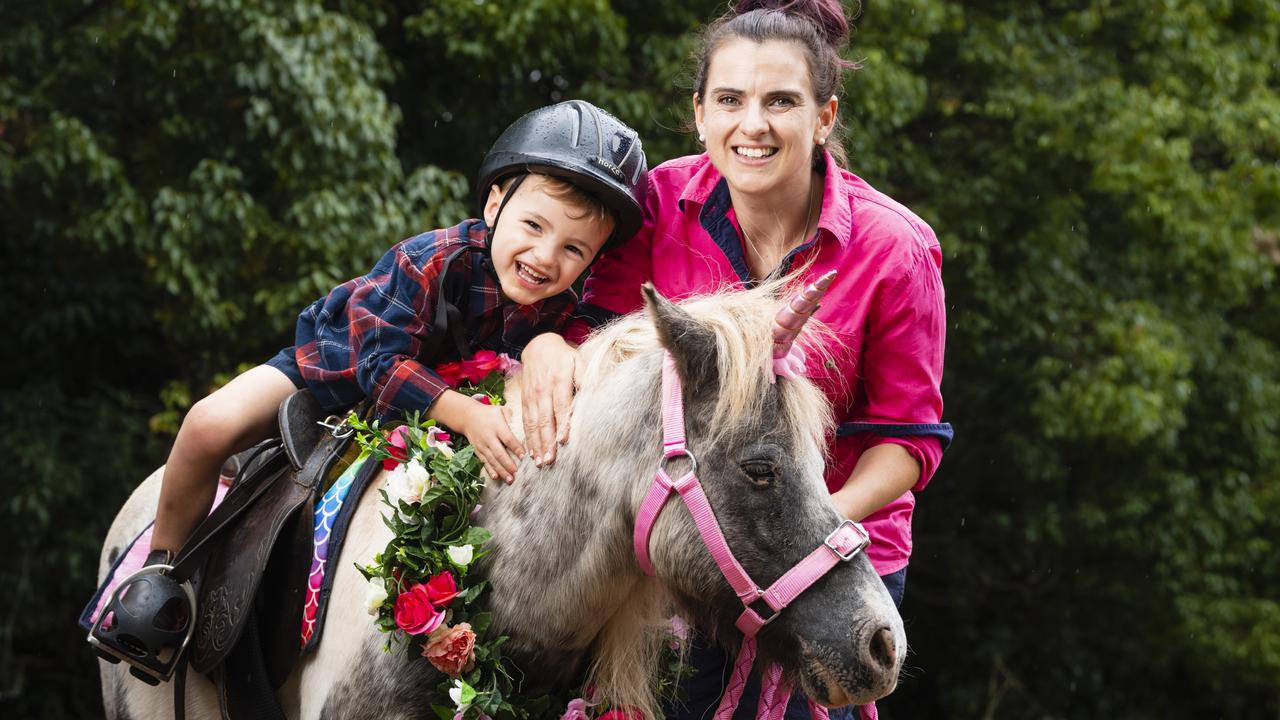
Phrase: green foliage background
pixel 178 178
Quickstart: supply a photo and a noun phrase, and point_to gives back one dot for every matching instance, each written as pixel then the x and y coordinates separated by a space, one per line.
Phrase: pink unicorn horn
pixel 796 312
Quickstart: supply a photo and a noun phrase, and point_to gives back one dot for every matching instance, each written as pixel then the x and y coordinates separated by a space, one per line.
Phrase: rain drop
pixel 535 76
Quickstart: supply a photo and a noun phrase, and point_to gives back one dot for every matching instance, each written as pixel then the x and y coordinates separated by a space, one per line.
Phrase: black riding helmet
pixel 582 144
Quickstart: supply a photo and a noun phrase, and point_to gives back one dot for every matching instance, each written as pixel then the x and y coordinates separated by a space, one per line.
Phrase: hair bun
pixel 827 15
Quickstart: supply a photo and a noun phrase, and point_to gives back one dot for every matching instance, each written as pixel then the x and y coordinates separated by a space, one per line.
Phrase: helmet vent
pixel 575 130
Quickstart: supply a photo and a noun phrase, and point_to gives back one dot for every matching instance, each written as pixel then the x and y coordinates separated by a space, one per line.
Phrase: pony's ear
pixel 690 342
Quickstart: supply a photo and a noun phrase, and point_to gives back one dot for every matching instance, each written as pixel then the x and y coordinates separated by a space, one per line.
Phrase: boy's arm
pixel 387 319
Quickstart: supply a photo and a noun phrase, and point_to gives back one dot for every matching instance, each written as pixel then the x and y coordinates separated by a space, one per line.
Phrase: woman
pixel 770 195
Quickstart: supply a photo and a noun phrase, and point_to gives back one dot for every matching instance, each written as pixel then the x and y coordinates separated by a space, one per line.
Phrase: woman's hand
pixel 547 384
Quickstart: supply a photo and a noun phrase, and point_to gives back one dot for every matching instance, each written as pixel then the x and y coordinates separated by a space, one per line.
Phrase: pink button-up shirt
pixel 885 308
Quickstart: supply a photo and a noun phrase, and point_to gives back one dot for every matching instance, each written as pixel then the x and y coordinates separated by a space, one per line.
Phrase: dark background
pixel 177 179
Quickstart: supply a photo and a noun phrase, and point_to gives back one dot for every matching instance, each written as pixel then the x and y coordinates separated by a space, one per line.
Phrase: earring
pixel 822 141
pixel 702 138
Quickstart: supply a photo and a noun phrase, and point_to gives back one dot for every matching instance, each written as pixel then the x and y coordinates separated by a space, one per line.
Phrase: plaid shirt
pixel 371 336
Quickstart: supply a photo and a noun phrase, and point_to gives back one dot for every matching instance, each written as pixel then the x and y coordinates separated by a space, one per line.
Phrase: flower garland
pixel 421 590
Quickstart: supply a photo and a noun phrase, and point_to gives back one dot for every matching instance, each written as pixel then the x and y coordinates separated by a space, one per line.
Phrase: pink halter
pixel 843 544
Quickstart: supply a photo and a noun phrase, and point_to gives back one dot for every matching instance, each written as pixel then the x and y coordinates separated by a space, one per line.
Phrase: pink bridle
pixel 842 545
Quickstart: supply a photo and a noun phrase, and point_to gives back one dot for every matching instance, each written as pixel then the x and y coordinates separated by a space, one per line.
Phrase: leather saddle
pixel 250 558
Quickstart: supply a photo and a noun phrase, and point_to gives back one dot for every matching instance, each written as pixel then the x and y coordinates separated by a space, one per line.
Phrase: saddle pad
pixel 129 562
pixel 326 513
pixel 333 516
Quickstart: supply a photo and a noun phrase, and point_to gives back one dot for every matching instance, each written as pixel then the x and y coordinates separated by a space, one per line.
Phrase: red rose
pixel 480 365
pixel 414 612
pixel 441 589
pixel 452 373
pixel 452 650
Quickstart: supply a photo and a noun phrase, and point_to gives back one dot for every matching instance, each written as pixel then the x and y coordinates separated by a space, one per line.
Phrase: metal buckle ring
pixel 693 461
pixel 336 427
pixel 830 541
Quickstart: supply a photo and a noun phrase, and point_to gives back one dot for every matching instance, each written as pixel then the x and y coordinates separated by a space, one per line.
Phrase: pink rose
pixel 508 364
pixel 398 446
pixel 480 365
pixel 576 710
pixel 452 651
pixel 441 589
pixel 414 612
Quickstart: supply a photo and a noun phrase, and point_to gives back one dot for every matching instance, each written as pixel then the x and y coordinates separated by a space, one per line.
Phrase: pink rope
pixel 738 680
pixel 773 695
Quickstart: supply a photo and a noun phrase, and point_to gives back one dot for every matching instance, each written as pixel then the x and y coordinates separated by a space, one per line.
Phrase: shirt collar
pixel 703 182
pixel 835 216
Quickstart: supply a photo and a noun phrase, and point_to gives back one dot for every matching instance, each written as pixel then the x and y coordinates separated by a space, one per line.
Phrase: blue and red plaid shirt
pixel 372 336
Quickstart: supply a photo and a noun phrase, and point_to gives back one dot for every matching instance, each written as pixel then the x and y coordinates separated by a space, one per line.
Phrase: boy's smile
pixel 541 243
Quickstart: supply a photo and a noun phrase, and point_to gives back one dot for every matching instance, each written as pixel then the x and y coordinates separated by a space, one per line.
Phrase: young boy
pixel 559 184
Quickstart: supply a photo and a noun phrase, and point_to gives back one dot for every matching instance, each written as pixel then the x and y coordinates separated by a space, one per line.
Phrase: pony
pixel 566 584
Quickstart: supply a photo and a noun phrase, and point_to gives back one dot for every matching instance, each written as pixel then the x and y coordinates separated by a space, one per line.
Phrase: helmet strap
pixel 506 197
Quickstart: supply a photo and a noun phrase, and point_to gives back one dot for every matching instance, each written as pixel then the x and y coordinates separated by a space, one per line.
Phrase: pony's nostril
pixel 882 649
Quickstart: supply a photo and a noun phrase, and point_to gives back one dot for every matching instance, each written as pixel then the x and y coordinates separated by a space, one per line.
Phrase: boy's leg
pixel 233 418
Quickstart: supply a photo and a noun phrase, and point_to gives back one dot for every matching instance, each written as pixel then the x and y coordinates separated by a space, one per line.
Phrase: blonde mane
pixel 742 323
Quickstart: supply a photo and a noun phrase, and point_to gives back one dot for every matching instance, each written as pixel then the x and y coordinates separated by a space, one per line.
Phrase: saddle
pixel 250 557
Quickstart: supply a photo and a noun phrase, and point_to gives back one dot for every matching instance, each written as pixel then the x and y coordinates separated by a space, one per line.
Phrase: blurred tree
pixel 1104 178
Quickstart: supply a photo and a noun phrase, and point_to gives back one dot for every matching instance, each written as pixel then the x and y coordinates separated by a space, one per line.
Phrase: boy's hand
pixel 486 429
pixel 548 380
pixel 489 433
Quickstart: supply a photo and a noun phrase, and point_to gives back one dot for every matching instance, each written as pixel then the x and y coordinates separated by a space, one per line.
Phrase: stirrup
pixel 147 622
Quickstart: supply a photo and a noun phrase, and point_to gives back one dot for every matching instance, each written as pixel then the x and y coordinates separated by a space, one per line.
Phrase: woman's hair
pixel 819 26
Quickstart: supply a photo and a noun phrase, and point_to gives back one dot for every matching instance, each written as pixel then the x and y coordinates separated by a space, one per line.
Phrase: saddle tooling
pixel 249 563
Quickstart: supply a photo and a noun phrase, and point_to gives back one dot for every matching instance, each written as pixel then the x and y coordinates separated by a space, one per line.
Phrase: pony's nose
pixel 883 652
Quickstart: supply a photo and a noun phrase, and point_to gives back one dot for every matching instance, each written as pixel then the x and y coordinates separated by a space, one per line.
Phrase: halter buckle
pixel 863 541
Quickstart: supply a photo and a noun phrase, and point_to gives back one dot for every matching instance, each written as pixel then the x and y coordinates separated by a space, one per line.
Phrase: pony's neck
pixel 563 573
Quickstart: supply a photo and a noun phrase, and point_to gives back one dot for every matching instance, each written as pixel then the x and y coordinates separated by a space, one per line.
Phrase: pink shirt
pixel 885 307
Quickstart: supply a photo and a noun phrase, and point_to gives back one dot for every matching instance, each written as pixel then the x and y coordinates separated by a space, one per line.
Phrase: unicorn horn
pixel 796 312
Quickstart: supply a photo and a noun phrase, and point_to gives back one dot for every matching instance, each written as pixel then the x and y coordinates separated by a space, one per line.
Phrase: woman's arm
pixel 884 472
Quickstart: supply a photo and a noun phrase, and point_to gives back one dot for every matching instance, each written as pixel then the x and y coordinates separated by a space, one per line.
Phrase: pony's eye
pixel 760 472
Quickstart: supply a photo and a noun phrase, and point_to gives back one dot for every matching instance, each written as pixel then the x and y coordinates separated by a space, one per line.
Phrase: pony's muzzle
pixel 868 673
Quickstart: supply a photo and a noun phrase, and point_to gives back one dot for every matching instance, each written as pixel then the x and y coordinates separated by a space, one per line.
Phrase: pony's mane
pixel 742 323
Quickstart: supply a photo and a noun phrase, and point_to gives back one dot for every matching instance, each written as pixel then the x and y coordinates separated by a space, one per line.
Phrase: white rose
pixel 375 594
pixel 397 485
pixel 418 478
pixel 460 555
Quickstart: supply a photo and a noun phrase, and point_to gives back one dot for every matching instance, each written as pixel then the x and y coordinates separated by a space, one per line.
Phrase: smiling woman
pixel 771 197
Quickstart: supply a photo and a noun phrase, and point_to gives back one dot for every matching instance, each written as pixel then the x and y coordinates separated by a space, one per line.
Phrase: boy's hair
pixel 588 205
